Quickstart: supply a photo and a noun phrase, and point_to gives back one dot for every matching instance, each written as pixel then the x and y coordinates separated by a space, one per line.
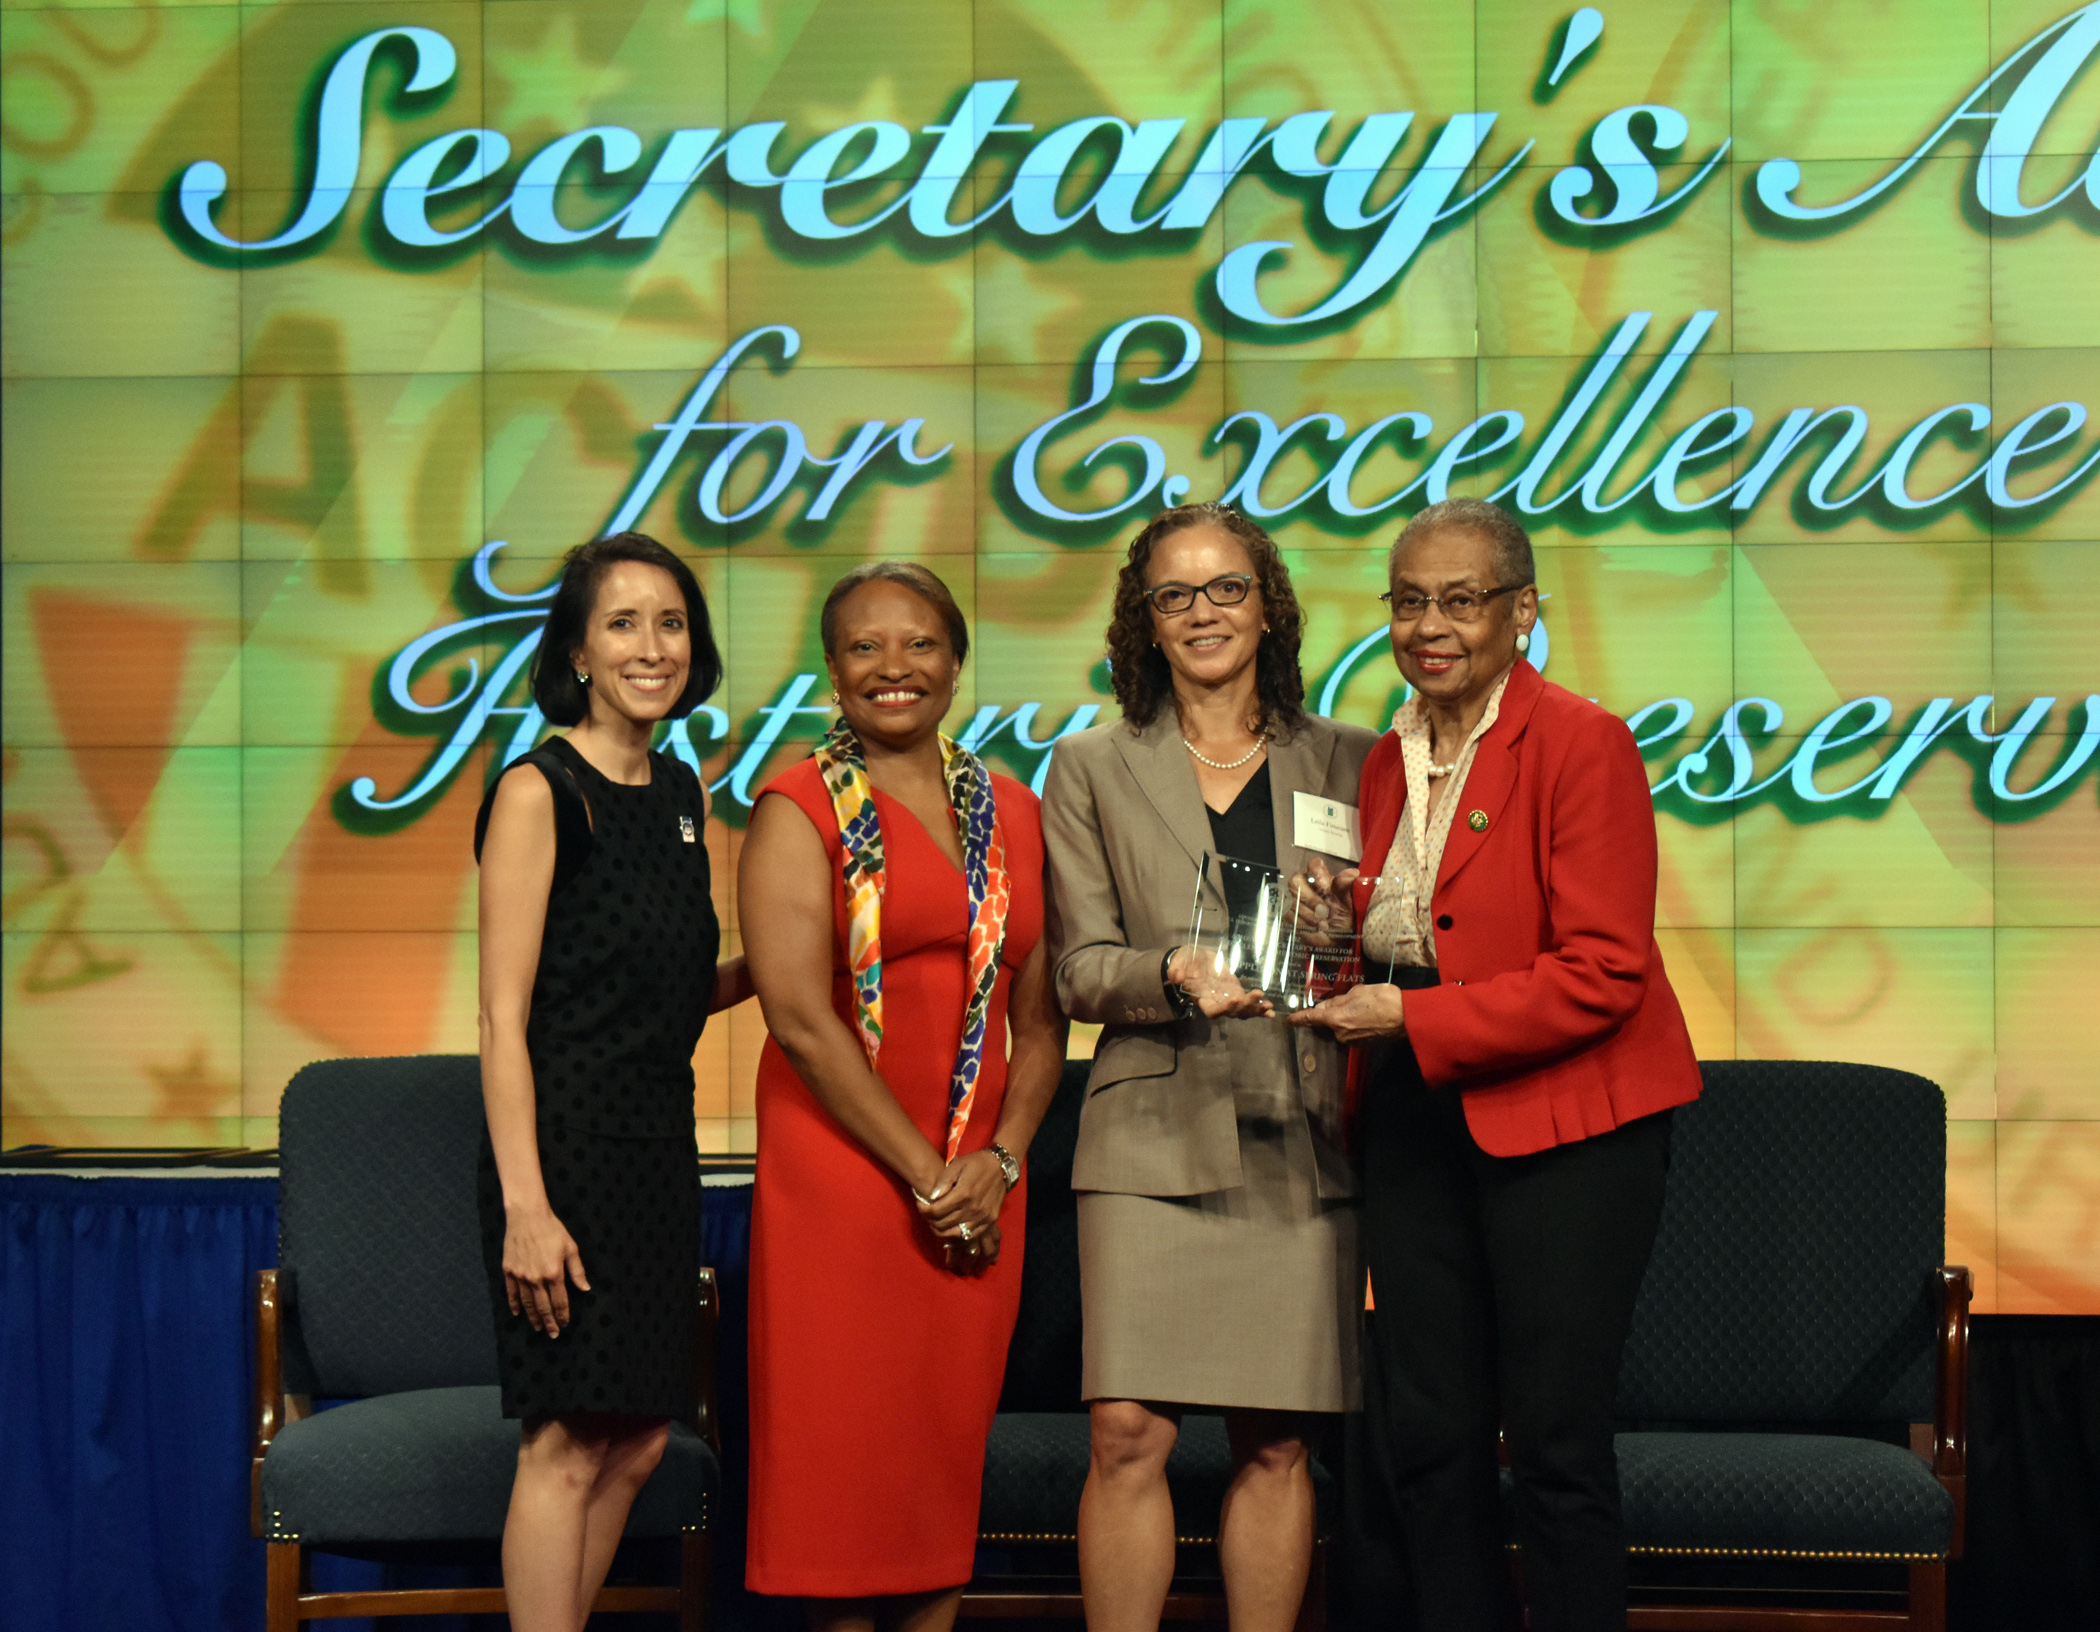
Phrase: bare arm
pixel 784 882
pixel 732 984
pixel 517 871
pixel 1037 1062
pixel 732 975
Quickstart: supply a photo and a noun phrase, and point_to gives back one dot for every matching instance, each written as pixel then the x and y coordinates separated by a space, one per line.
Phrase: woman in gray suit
pixel 1217 1239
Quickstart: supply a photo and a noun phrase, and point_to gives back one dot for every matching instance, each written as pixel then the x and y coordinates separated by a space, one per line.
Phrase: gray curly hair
pixel 1509 546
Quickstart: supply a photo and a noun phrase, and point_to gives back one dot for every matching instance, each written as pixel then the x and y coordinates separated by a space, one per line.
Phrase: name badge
pixel 1326 825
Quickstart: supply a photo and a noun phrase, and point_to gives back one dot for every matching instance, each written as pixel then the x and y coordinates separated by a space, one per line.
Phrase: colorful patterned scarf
pixel 984 870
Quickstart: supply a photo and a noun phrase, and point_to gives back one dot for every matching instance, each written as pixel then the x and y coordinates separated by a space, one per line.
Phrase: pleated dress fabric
pixel 1235 1299
pixel 625 977
pixel 875 1370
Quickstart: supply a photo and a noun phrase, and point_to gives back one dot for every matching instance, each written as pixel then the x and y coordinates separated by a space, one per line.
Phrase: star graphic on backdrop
pixel 553 83
pixel 1013 308
pixel 749 15
pixel 877 101
pixel 191 1091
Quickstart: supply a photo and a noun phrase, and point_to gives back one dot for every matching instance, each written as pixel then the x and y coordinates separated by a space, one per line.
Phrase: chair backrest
pixel 1792 1279
pixel 379 1228
pixel 1042 1362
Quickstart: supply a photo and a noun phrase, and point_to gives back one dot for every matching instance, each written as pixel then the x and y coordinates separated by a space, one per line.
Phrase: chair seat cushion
pixel 1035 1466
pixel 1781 1494
pixel 436 1465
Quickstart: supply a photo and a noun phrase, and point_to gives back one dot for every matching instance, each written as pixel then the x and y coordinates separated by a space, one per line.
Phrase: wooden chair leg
pixel 694 1553
pixel 1928 1598
pixel 281 1586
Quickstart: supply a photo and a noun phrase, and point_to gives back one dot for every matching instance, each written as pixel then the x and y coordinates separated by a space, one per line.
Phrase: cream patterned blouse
pixel 1398 925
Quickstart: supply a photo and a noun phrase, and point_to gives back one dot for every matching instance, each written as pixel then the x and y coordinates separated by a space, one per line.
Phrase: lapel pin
pixel 1478 821
pixel 685 829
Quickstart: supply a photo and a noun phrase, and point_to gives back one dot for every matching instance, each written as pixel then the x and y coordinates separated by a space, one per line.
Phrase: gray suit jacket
pixel 1126 829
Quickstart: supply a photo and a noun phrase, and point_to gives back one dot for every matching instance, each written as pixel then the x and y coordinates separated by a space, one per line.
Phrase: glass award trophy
pixel 1288 943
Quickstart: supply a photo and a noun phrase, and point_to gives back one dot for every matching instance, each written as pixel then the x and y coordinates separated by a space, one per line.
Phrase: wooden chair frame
pixel 1943 1443
pixel 1032 1602
pixel 288 1595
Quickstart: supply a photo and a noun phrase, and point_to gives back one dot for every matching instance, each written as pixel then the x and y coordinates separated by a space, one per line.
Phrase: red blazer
pixel 1554 1015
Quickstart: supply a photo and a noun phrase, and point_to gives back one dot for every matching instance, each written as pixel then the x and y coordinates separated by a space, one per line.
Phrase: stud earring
pixel 582 679
pixel 834 695
pixel 1524 641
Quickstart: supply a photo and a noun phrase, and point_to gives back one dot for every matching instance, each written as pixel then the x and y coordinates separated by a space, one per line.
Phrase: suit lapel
pixel 1493 776
pixel 1300 763
pixel 1159 764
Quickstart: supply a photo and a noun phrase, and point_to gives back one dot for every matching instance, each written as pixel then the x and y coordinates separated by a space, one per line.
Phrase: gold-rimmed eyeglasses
pixel 1460 605
pixel 1227 589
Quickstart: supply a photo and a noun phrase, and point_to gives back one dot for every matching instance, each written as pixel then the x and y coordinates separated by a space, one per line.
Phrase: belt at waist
pixel 1408 977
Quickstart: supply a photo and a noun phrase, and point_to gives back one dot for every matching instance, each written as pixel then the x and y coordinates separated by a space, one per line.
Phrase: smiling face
pixel 637 647
pixel 1454 664
pixel 1207 645
pixel 894 666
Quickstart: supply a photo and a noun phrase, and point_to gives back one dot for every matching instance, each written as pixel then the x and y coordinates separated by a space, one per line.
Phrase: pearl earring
pixel 1524 641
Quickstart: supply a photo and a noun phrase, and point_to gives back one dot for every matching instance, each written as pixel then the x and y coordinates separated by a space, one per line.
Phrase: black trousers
pixel 1505 1289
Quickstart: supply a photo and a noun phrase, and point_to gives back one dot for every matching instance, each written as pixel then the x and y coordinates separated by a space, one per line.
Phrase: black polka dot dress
pixel 626 973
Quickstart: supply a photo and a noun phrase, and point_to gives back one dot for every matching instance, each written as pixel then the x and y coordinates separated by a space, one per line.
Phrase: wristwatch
pixel 1009 1164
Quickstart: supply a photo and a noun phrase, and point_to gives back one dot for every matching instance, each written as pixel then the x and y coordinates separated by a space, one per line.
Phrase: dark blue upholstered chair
pixel 1795 1320
pixel 1036 1460
pixel 381 1301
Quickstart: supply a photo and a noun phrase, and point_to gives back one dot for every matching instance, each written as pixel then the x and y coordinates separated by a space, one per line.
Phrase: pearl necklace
pixel 1261 741
pixel 1436 770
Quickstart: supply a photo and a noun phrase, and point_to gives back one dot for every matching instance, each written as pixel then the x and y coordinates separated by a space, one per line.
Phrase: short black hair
pixel 919 580
pixel 561 697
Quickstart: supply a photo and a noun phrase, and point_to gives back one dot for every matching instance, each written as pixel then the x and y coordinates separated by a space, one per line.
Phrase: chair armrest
pixel 269 1386
pixel 710 1422
pixel 1950 1415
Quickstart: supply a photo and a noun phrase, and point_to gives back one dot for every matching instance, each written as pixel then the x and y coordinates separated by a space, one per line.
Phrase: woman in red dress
pixel 892 1124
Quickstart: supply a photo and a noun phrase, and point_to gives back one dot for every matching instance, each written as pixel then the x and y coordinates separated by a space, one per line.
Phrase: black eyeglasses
pixel 1460 606
pixel 1227 589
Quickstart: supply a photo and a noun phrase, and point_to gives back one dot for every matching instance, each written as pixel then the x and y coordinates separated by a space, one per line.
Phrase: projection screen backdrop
pixel 328 326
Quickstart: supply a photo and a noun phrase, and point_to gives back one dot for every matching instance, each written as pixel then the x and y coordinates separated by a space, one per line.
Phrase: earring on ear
pixel 1524 641
pixel 834 694
pixel 582 678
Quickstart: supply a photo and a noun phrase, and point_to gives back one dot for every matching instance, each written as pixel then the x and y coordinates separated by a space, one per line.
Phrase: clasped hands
pixel 1326 912
pixel 1323 905
pixel 961 1207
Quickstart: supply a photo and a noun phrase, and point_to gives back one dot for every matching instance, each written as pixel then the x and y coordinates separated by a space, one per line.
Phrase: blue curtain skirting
pixel 127 1385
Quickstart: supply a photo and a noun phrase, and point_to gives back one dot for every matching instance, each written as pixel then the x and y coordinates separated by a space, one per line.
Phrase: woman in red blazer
pixel 1520 1052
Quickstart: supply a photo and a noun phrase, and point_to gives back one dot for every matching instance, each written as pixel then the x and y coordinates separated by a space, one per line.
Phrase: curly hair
pixel 1144 684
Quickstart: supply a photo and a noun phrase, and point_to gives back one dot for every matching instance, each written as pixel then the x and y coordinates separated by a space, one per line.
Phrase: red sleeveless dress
pixel 875 1371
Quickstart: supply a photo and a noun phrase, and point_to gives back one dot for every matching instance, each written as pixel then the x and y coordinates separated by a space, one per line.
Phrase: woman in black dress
pixel 598 971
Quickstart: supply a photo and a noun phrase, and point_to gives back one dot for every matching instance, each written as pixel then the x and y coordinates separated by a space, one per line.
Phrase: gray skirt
pixel 1246 1298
